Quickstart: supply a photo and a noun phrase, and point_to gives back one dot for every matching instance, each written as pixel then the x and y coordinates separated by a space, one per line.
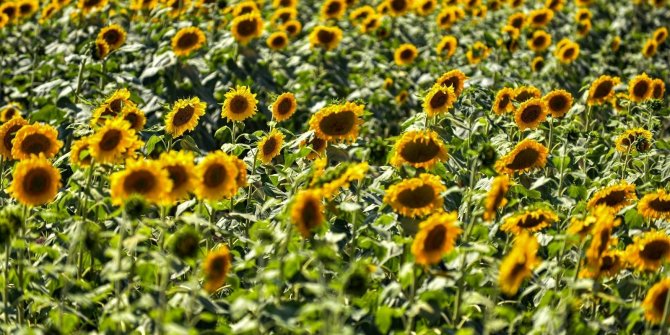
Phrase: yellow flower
pixel 34 181
pixel 139 5
pixel 284 15
pixel 316 145
pixel 581 227
pixel 439 100
pixel 529 221
pixel 583 28
pixel 655 205
pixel 614 197
pixel 615 43
pixel 359 14
pixel 331 181
pixel 518 264
pixel 657 89
pixel 425 7
pixel 639 88
pixel 634 140
pixel 184 116
pixel 111 107
pixel 660 35
pixel 270 146
pixel 416 196
pixel 401 97
pixel 217 177
pixel 655 301
pixel 307 211
pixel 495 198
pixel 284 107
pixel 239 104
pixel 277 40
pixel 517 20
pixel 325 37
pixel 247 27
pixel 649 251
pixel 530 114
pixel 187 40
pixel 503 101
pixel 27 8
pixel 420 149
pixel 583 14
pixel 477 52
pixel 371 23
pixel 455 79
pixel 526 156
pixel 558 102
pixel 540 41
pixel 111 142
pixel 602 89
pixel 539 18
pixel 333 9
pixel 524 93
pixel 436 237
pixel 405 54
pixel 101 49
pixel 114 35
pixel 216 266
pixel 140 177
pixel 649 48
pixel 181 171
pixel 10 111
pixel 134 116
pixel 245 7
pixel 447 46
pixel 36 139
pixel 609 264
pixel 80 154
pixel 537 64
pixel 337 122
pixel 8 132
pixel 292 27
pixel 399 7
pixel 446 18
pixel 88 6
pixel 555 5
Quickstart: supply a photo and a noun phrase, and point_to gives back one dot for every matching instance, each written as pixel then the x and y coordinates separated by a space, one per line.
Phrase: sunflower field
pixel 334 167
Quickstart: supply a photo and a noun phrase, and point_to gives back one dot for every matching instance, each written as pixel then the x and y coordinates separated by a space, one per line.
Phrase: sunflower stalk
pixel 666 311
pixel 80 79
pixel 8 250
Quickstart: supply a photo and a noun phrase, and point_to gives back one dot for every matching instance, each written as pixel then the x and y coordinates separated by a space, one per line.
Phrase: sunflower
pixel 649 48
pixel 494 5
pixel 187 40
pixel 245 7
pixel 181 171
pixel 649 251
pixel 655 205
pixel 10 111
pixel 217 176
pixel 8 132
pixel 140 177
pixel 602 89
pixel 184 116
pixel 540 41
pixel 241 178
pixel 524 93
pixel 581 227
pixel 530 114
pixel 284 107
pixel 100 49
pixel 415 197
pixel 526 156
pixel 371 23
pixel 307 211
pixel 284 3
pixel 614 197
pixel 558 102
pixel 34 181
pixel 437 236
pixel 453 78
pixel 401 97
pixel 639 88
pixel 177 7
pixel 277 40
pixel 537 64
pixel 284 15
pixel 583 14
pixel 333 9
pixel 420 149
pixel 4 19
pixel 114 35
pixel 425 7
pixel 80 154
pixel 660 35
pixel 111 142
pixel 292 27
pixel 140 5
pixel 602 234
pixel 316 145
pixel 657 89
pixel 615 43
pixel 337 122
pixel 10 11
pixel 88 6
pixel 331 181
pixel 555 5
pixel 405 54
pixel 516 20
pixel 503 101
pixel 495 198
pixel 529 221
pixel 446 18
pixel 27 8
pixel 447 46
pixel 111 107
pixel 135 116
pixel 620 102
pixel 516 3
pixel 247 27
pixel 655 301
pixel 583 28
pixel 609 264
pixel 324 37
pixel 239 104
pixel 518 264
pixel 439 100
pixel 270 146
pixel 35 139
pixel 399 7
pixel 359 14
pixel 477 52
pixel 539 18
pixel 634 140
pixel 216 266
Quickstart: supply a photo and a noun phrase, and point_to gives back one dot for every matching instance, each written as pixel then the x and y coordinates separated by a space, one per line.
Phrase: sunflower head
pixel 537 64
pixel 277 40
pixel 239 104
pixel 247 27
pixel 284 14
pixel 405 54
pixel 10 111
pixel 454 78
pixel 187 40
pixel 337 122
pixel 316 145
pixel 660 35
pixel 558 102
pixel 439 100
pixel 284 107
pixel 88 6
pixel 524 93
pixel 399 7
pixel 495 198
pixel 80 154
pixel 602 89
pixel 437 236
pixel 8 131
pixel 245 7
pixel 530 114
pixel 602 234
pixel 371 23
pixel 517 20
pixel 217 176
pixel 655 301
pixel 331 181
pixel 100 49
pixel 134 116
pixel 142 177
pixel 657 89
pixel 185 243
pixel 529 221
pixel 184 116
pixel 527 155
pixel 539 18
pixel 614 197
pixel 333 9
pixel 640 88
pixel 113 141
pixel 307 211
pixel 325 37
pixel 216 266
pixel 649 251
pixel 609 264
pixel 649 48
pixel 292 27
pixel 181 171
pixel 114 35
pixel 477 52
pixel 581 226
pixel 518 264
pixel 416 196
pixel 503 101
pixel 420 149
pixel 540 41
pixel 35 140
pixel 34 181
pixel 270 146
pixel 634 140
pixel 447 46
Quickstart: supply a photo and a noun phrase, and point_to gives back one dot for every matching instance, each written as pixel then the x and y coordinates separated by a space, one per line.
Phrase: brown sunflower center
pixel 558 102
pixel 333 8
pixel 524 95
pixel 133 119
pixel 112 36
pixel 318 144
pixel 504 101
pixel 641 88
pixel 36 181
pixel 139 182
pixel 284 106
pixel 613 198
pixel 35 144
pixel 539 41
pixel 435 239
pixel 608 262
pixel 278 41
pixel 659 302
pixel 178 175
pixel 419 197
pixel 269 146
pixel 439 99
pixel 531 113
pixel 9 11
pixel 285 16
pixel 9 137
pixel 420 151
pixel 91 3
pixel 524 159
pixel 9 113
pixel 540 18
pixel 110 140
pixel 115 107
pixel 650 49
pixel 187 40
pixel 517 22
pixel 603 89
pixel 517 270
pixel 238 104
pixel 247 27
pixel 310 214
pixel 398 5
pixel 427 6
pixel 246 10
pixel 530 221
pixel 183 115
pixel 325 36
pixel 655 250
pixel 337 124
pixel 292 29
pixel 657 92
pixel 660 205
pixel 215 175
pixel 454 82
pixel 497 199
pixel 217 266
pixel 406 54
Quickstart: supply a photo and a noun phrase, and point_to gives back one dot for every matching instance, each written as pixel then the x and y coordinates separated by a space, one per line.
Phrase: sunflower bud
pixel 12 216
pixel 487 154
pixel 184 244
pixel 135 207
pixel 356 283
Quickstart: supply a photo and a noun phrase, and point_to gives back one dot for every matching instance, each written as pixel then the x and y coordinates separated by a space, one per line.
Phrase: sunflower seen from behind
pixel 142 177
pixel 518 264
pixel 217 177
pixel 526 156
pixel 184 116
pixel 36 139
pixel 216 266
pixel 336 123
pixel 35 181
pixel 181 171
pixel 270 146
pixel 416 197
pixel 239 104
pixel 307 211
pixel 436 237
pixel 420 149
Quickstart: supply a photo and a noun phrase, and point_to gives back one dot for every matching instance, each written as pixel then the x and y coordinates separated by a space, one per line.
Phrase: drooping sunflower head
pixel 649 251
pixel 35 181
pixel 10 111
pixel 416 197
pixel 518 264
pixel 239 104
pixel 640 88
pixel 437 236
pixel 530 114
pixel 602 89
pixel 284 106
pixel 217 177
pixel 455 79
pixel 529 221
pixel 8 132
pixel 524 93
pixel 634 140
pixel 80 154
pixel 614 197
pixel 540 17
pixel 112 141
pixel 187 40
pixel 657 88
pixel 420 149
pixel 495 198
pixel 649 48
pixel 558 102
pixel 526 156
pixel 654 302
pixel 184 116
pixel 439 100
pixel 316 145
pixel 503 101
pixel 277 40
pixel 333 9
pixel 114 35
pixel 35 140
pixel 216 267
pixel 307 211
pixel 142 177
pixel 338 122
pixel 405 54
pixel 447 46
pixel 270 146
pixel 181 171
pixel 655 205
pixel 247 27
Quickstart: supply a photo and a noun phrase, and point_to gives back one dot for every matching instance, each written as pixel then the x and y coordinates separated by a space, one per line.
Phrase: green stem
pixel 80 77
pixel 6 290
